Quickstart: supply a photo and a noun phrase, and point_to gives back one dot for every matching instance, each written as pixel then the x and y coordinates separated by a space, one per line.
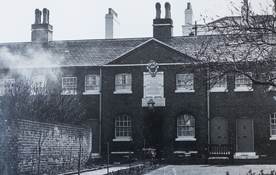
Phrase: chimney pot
pixel 158 10
pixel 37 16
pixel 45 16
pixel 168 10
pixel 188 5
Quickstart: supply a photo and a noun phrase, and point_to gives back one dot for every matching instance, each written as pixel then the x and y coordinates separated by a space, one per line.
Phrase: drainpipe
pixel 208 114
pixel 208 105
pixel 100 113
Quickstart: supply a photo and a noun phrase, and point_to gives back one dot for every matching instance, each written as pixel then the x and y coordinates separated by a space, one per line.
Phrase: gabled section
pixel 152 49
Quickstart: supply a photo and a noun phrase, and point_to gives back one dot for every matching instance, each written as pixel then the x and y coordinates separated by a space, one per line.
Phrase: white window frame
pixel 123 128
pixel 220 84
pixel 71 88
pixel 246 85
pixel 184 82
pixel 4 83
pixel 38 85
pixel 185 123
pixel 92 87
pixel 123 83
pixel 272 118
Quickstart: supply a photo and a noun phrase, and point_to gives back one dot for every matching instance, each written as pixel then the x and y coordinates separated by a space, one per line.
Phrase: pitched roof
pixel 66 53
pixel 80 52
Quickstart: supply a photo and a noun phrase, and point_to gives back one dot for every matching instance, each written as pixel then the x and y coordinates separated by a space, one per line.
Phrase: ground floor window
pixel 185 127
pixel 273 126
pixel 123 128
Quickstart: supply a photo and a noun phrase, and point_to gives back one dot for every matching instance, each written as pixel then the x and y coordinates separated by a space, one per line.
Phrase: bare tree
pixel 240 45
pixel 25 99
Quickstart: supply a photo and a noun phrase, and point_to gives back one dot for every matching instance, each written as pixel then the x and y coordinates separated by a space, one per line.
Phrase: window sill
pixel 272 138
pixel 122 140
pixel 243 89
pixel 122 152
pixel 185 139
pixel 123 92
pixel 218 90
pixel 184 91
pixel 185 152
pixel 69 93
pixel 91 93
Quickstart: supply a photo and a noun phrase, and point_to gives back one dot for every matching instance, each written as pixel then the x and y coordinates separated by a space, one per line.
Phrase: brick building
pixel 142 93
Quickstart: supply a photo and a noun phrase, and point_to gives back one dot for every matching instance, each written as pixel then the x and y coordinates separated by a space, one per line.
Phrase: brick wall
pixel 59 147
pixel 8 147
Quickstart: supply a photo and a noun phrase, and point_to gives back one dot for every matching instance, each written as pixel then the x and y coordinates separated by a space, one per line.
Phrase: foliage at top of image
pixel 242 44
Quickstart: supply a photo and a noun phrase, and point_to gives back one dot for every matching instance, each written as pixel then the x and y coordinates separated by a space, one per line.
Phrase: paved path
pixel 111 168
pixel 211 170
pixel 194 169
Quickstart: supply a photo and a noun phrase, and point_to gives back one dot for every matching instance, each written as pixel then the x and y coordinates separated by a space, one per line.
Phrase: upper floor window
pixel 185 128
pixel 92 84
pixel 6 85
pixel 184 83
pixel 123 83
pixel 38 85
pixel 69 85
pixel 123 128
pixel 242 83
pixel 218 82
pixel 273 126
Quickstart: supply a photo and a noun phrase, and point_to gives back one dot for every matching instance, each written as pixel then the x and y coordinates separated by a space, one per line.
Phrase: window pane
pixel 242 81
pixel 217 80
pixel 185 81
pixel 69 85
pixel 185 125
pixel 123 125
pixel 123 81
pixel 273 124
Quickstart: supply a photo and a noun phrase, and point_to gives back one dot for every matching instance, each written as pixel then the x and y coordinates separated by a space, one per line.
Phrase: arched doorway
pixel 153 132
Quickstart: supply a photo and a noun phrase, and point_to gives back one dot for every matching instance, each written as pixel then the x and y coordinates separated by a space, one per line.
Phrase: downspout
pixel 208 114
pixel 100 113
pixel 208 105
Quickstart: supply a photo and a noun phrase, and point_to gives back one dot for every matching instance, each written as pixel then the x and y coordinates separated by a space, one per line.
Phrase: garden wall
pixel 50 148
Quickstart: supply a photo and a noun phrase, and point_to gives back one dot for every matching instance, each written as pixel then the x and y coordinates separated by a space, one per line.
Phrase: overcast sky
pixel 85 19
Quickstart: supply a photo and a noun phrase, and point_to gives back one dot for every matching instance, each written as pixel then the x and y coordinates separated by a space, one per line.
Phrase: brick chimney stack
pixel 111 24
pixel 187 28
pixel 163 27
pixel 42 32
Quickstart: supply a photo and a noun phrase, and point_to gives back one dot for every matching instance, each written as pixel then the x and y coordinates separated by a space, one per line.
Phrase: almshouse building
pixel 143 92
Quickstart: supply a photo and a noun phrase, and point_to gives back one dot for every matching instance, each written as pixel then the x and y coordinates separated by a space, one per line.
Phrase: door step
pixel 246 155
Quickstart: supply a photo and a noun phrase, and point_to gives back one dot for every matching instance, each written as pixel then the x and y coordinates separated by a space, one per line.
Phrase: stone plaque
pixel 154 89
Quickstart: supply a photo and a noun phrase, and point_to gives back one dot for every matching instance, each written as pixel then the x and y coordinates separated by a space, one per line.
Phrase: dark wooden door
pixel 245 138
pixel 153 132
pixel 219 131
